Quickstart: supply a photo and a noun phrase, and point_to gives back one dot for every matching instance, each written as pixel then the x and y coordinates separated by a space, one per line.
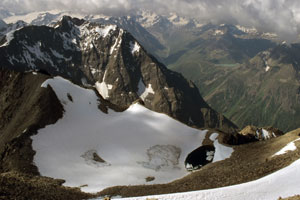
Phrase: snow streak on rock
pixel 134 47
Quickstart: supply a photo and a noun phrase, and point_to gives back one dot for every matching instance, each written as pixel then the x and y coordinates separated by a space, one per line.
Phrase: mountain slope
pixel 115 62
pixel 269 82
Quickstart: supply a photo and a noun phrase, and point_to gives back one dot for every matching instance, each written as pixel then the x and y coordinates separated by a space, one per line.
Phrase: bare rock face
pixel 110 59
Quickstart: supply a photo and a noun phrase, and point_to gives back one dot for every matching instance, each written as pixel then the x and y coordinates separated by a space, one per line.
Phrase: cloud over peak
pixel 279 16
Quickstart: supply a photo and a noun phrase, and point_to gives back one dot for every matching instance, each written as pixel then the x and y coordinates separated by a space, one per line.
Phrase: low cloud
pixel 279 16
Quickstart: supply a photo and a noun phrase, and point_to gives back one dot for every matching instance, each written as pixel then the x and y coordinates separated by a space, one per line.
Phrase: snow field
pixel 135 144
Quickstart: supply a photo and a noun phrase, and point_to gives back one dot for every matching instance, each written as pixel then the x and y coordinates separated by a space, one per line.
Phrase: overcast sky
pixel 280 16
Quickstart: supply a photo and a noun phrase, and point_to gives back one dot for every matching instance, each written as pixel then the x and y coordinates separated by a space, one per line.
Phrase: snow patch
pixel 109 86
pixel 36 52
pixel 265 134
pixel 60 56
pixel 177 20
pixel 222 152
pixel 105 30
pixel 12 58
pixel 9 37
pixel 266 64
pixel 249 30
pixel 213 136
pixel 148 19
pixel 103 88
pixel 113 46
pixel 117 43
pixel 270 35
pixel 144 91
pixel 289 147
pixel 134 47
pixel 210 155
pixel 219 32
pixel 94 70
pixel 90 33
